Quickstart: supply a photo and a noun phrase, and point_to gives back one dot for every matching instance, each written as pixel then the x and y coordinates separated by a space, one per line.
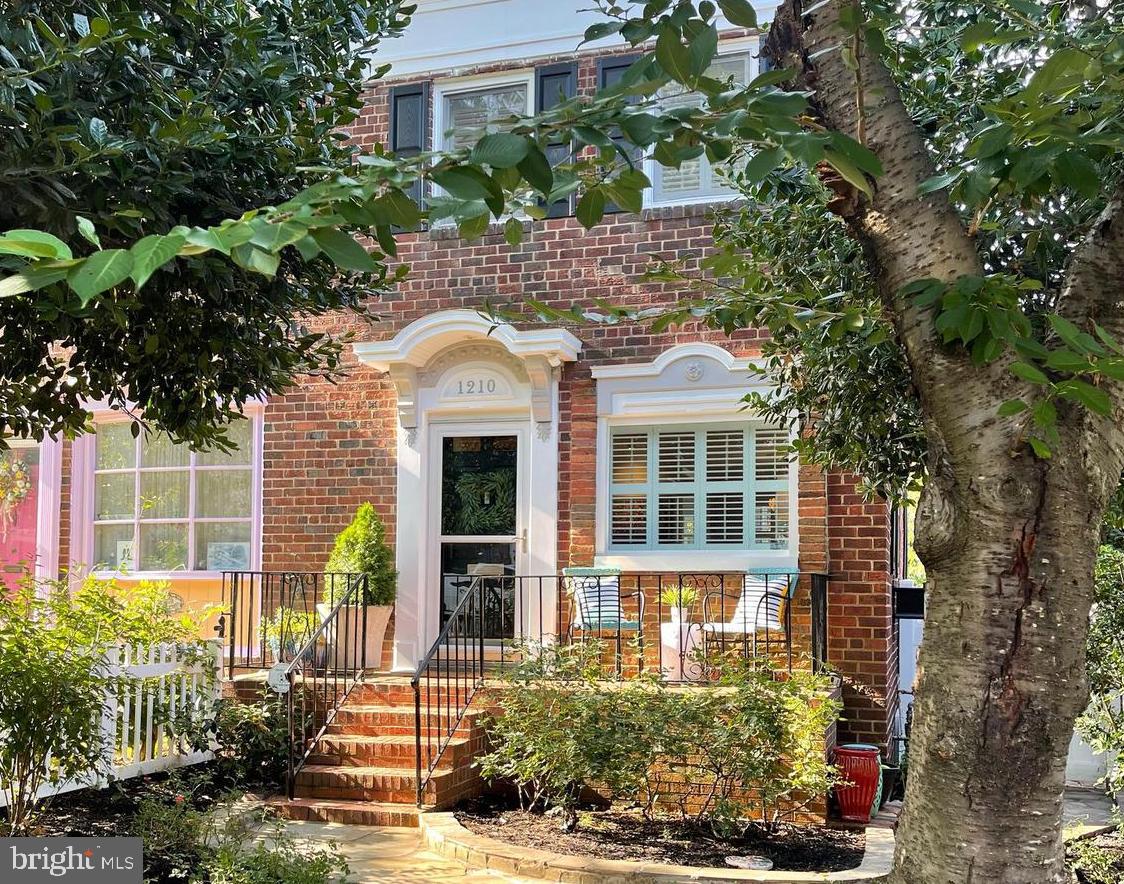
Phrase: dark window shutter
pixel 763 62
pixel 409 125
pixel 554 84
pixel 609 72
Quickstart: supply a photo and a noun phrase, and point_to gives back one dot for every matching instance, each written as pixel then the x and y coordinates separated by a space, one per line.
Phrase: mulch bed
pixel 609 834
pixel 103 813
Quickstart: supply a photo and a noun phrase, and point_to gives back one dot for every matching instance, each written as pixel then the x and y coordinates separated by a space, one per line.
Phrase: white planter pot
pixel 345 639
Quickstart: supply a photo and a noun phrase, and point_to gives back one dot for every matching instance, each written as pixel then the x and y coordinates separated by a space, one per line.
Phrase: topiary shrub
pixel 361 548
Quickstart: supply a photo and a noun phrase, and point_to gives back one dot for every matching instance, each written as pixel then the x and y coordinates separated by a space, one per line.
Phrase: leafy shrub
pixel 562 730
pixel 1102 723
pixel 253 740
pixel 361 548
pixel 174 838
pixel 53 644
pixel 52 690
pixel 280 863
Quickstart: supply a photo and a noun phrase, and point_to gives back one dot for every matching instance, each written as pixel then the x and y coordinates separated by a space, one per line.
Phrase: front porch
pixel 367 744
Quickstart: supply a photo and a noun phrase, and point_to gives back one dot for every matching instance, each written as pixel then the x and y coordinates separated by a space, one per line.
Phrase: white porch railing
pixel 147 688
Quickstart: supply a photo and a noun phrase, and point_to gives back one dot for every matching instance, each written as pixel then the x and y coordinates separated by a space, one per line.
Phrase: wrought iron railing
pixel 775 618
pixel 269 615
pixel 448 677
pixel 323 673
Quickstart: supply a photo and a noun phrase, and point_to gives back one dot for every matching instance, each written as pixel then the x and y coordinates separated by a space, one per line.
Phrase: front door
pixel 481 531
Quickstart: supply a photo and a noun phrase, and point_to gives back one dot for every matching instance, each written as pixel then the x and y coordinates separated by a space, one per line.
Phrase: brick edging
pixel 445 835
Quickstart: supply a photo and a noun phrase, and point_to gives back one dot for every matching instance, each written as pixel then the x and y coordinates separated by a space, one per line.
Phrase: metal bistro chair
pixel 762 605
pixel 597 607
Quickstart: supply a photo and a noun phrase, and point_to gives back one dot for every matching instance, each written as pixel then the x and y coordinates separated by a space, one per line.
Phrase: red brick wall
pixel 861 641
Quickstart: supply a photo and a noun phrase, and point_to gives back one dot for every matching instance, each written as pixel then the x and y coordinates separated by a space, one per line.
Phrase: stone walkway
pixel 1085 809
pixel 378 854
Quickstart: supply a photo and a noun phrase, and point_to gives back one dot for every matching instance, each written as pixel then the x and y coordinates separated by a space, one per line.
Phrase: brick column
pixel 861 644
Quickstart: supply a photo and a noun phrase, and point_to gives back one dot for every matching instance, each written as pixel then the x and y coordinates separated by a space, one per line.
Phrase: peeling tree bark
pixel 1008 541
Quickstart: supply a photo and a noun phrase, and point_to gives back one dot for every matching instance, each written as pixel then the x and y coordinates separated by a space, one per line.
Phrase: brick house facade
pixel 322 449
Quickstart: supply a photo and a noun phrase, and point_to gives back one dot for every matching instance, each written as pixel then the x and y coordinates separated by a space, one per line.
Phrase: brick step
pixel 351 813
pixel 395 720
pixel 383 784
pixel 363 750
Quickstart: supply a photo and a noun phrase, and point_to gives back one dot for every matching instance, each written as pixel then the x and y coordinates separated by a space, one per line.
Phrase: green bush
pixel 252 740
pixel 1102 723
pixel 280 863
pixel 361 548
pixel 562 730
pixel 173 836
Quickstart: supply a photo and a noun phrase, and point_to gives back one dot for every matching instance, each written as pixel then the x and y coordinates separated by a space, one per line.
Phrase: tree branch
pixel 907 235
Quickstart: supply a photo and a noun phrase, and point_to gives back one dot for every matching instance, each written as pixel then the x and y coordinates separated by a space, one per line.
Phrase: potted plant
pixel 678 599
pixel 361 549
pixel 287 631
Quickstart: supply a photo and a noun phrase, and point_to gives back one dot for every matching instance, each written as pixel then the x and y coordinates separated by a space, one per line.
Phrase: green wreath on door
pixel 487 503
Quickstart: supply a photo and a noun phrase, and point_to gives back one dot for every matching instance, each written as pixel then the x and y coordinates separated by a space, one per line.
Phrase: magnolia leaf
pixel 672 55
pixel 152 253
pixel 535 168
pixel 344 251
pixel 255 259
pixel 591 207
pixel 86 230
pixel 738 12
pixel 501 150
pixel 100 272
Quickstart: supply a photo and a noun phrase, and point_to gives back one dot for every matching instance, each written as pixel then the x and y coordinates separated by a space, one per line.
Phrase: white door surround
pixel 457 373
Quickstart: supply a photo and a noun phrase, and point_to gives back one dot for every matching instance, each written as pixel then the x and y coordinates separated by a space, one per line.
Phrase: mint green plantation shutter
pixel 718 486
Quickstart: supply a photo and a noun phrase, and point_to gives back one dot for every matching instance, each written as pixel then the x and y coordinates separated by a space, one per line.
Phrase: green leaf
pixel 1066 360
pixel 595 137
pixel 501 150
pixel 513 231
pixel 100 272
pixel 475 227
pixel 98 130
pixel 274 237
pixel 703 49
pixel 937 182
pixel 255 260
pixel 1012 407
pixel 1074 169
pixel 1040 448
pixel 850 172
pixel 33 244
pixel 672 55
pixel 601 30
pixel 467 183
pixel 344 251
pixel 400 209
pixel 535 168
pixel 762 163
pixel 152 253
pixel 87 231
pixel 738 12
pixel 591 207
pixel 1028 372
pixel 1093 398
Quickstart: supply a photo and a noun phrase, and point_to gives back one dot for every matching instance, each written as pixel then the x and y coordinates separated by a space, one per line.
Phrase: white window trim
pixel 630 399
pixel 726 47
pixel 82 502
pixel 445 87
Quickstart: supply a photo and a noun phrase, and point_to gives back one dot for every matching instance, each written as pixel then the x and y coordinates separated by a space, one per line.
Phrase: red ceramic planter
pixel 861 767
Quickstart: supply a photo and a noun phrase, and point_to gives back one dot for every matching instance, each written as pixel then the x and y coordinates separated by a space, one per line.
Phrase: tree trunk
pixel 1008 540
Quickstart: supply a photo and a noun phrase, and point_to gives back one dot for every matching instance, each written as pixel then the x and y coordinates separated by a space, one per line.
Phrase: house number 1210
pixel 476 386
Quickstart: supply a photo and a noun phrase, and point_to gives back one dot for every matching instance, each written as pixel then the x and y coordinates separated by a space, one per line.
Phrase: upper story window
pixel 696 180
pixel 721 486
pixel 160 507
pixel 469 110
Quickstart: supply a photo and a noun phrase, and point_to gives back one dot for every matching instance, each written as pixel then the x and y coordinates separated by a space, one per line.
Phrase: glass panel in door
pixel 479 527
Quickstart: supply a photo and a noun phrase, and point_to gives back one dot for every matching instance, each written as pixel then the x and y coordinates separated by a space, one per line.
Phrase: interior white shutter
pixel 772 454
pixel 468 115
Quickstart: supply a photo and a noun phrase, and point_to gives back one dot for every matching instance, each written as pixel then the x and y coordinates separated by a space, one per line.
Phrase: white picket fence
pixel 148 686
